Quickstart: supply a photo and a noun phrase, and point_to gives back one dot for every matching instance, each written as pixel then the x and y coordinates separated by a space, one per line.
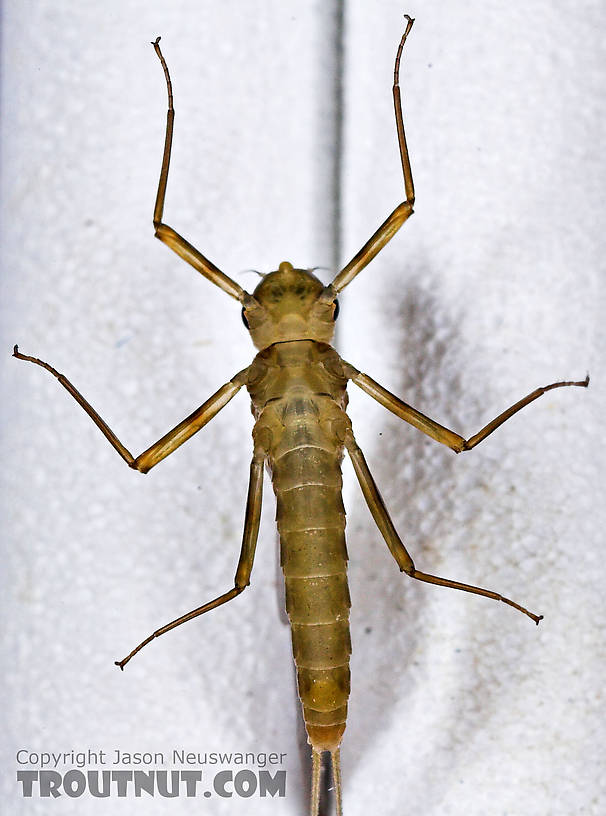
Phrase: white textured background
pixel 496 285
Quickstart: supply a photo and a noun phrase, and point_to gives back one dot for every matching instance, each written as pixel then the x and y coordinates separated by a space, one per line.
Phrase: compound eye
pixel 336 311
pixel 244 320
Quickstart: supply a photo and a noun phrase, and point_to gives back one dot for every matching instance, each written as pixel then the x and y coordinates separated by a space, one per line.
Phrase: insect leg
pixel 494 424
pixel 404 210
pixel 170 441
pixel 439 432
pixel 190 425
pixel 245 563
pixel 167 234
pixel 393 541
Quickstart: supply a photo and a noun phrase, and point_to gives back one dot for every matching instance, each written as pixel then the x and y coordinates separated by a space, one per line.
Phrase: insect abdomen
pixel 298 392
pixel 311 522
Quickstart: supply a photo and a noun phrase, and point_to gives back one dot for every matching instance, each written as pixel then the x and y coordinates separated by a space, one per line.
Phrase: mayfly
pixel 297 384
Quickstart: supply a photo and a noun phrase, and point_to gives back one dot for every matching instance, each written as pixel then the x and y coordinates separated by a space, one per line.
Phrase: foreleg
pixel 167 234
pixel 404 210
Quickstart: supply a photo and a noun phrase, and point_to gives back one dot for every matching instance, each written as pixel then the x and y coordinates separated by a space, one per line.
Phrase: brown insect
pixel 297 384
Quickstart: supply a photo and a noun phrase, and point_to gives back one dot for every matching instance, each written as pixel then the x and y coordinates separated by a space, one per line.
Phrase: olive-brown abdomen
pixel 311 523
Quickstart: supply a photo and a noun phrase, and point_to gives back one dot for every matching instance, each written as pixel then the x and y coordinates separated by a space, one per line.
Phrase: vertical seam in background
pixel 336 185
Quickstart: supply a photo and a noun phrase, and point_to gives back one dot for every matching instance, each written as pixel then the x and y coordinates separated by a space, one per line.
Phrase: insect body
pixel 297 384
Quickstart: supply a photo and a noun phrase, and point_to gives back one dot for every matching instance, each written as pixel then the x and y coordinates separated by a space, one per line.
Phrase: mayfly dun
pixel 297 384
